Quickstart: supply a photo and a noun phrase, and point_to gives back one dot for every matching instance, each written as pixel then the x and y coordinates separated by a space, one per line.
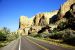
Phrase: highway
pixel 25 43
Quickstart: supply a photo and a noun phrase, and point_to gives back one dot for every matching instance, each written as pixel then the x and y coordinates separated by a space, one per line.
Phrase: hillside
pixel 51 19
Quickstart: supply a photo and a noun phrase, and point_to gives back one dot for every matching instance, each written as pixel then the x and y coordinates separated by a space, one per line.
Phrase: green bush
pixel 62 26
pixel 38 35
pixel 56 35
pixel 2 36
pixel 33 34
pixel 70 40
pixel 43 35
pixel 69 37
pixel 3 33
pixel 12 36
pixel 6 35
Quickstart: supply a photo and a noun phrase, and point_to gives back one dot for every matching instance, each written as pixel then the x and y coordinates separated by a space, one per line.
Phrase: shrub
pixel 38 35
pixel 69 37
pixel 70 40
pixel 6 35
pixel 45 34
pixel 2 36
pixel 33 34
pixel 62 26
pixel 56 35
pixel 12 36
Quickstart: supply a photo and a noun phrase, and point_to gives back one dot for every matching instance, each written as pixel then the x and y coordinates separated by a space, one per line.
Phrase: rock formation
pixel 43 18
pixel 65 7
pixel 24 24
pixel 52 19
pixel 64 12
pixel 40 20
pixel 70 19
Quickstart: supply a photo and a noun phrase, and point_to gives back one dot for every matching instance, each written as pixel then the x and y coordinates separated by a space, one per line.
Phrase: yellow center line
pixel 37 44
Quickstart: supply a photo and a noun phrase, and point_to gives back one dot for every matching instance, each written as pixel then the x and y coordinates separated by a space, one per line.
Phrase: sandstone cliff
pixel 52 19
pixel 25 22
pixel 65 7
pixel 43 19
pixel 66 15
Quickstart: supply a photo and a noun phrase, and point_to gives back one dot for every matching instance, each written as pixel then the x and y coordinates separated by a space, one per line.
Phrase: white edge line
pixel 20 44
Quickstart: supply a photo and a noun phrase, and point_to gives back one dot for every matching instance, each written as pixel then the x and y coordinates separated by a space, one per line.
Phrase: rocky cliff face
pixel 66 15
pixel 24 24
pixel 65 7
pixel 53 19
pixel 42 19
pixel 35 22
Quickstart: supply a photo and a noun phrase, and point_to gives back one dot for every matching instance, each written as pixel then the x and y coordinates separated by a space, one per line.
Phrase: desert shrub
pixel 62 26
pixel 45 34
pixel 2 36
pixel 70 40
pixel 6 35
pixel 69 37
pixel 38 35
pixel 33 34
pixel 41 35
pixel 16 35
pixel 12 36
pixel 56 35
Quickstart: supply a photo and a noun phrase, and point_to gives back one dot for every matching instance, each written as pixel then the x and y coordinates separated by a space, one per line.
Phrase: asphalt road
pixel 25 43
pixel 49 46
pixel 28 45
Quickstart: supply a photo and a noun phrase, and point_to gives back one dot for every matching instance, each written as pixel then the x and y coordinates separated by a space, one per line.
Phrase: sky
pixel 11 10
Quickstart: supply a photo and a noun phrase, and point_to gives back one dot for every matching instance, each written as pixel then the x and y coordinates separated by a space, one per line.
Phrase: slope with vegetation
pixel 6 36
